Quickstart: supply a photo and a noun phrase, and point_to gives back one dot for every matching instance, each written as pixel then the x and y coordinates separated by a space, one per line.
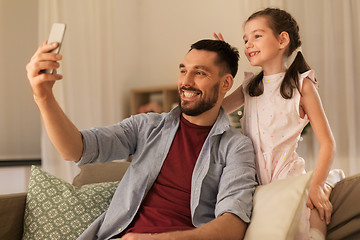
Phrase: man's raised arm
pixel 62 132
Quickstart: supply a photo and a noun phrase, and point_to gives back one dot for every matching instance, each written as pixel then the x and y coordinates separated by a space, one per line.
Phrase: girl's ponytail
pixel 291 78
pixel 255 87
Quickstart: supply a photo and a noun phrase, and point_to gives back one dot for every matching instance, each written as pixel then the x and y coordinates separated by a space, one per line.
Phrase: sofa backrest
pixel 96 173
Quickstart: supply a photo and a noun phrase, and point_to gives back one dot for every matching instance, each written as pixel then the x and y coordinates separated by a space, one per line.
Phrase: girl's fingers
pixel 325 211
pixel 321 213
pixel 221 37
pixel 328 213
pixel 309 204
pixel 218 36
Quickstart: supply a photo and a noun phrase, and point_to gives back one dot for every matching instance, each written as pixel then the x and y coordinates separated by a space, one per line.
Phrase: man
pixel 192 175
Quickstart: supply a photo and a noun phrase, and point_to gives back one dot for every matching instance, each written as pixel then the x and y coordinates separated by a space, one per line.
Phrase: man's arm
pixel 62 132
pixel 227 226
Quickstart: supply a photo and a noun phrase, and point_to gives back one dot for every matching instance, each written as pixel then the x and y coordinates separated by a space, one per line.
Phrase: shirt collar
pixel 221 124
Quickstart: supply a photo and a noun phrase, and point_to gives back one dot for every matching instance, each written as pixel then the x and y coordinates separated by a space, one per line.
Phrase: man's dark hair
pixel 228 56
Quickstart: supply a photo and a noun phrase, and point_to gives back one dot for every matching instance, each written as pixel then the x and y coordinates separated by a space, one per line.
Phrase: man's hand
pixel 42 83
pixel 62 132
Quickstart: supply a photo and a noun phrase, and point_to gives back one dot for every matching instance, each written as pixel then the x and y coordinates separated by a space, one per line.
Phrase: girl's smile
pixel 251 54
pixel 263 47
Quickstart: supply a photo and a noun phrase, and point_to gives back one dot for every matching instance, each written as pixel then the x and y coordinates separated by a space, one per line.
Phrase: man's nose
pixel 188 79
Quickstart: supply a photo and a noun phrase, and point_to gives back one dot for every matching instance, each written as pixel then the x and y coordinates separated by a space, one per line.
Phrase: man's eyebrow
pixel 181 65
pixel 202 67
pixel 256 30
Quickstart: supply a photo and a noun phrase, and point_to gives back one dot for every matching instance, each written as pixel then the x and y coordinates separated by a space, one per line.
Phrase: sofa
pixel 345 223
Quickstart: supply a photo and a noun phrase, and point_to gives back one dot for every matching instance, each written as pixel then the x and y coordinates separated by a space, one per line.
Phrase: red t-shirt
pixel 167 205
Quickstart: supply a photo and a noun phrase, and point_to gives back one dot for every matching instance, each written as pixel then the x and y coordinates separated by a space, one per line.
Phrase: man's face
pixel 198 82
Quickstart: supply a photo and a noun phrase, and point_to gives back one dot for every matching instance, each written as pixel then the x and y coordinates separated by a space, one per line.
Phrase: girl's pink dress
pixel 274 125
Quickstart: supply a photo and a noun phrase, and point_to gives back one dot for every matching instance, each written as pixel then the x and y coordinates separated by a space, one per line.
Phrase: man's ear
pixel 227 83
pixel 284 39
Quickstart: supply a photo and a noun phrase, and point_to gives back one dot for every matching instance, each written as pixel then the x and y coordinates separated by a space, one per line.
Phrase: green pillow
pixel 56 209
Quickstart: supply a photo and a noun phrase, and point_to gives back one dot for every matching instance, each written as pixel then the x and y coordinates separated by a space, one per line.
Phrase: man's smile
pixel 188 94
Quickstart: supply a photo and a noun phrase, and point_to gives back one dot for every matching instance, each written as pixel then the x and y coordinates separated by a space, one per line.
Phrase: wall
pixel 20 120
pixel 168 31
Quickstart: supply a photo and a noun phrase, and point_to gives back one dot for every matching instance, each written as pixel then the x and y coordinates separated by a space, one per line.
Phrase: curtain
pixel 112 46
pixel 93 91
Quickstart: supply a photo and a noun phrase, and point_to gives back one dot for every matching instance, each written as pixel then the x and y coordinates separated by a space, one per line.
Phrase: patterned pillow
pixel 56 209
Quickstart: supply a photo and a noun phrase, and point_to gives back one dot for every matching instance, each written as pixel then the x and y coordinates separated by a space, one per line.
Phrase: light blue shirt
pixel 223 179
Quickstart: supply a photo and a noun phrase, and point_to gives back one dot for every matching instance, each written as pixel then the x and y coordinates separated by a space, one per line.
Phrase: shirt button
pixel 120 229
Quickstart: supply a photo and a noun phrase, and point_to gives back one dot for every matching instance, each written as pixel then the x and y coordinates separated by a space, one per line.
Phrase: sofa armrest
pixel 12 209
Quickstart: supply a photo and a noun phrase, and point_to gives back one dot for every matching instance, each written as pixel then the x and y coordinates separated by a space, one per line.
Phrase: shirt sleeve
pixel 102 144
pixel 238 180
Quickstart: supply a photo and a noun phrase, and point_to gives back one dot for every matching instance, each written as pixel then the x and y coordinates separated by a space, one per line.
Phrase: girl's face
pixel 262 47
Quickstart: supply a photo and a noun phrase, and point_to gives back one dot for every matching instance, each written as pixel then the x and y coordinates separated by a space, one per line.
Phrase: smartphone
pixel 56 35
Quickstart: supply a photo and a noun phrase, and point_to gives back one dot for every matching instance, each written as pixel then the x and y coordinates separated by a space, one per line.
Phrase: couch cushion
pixel 12 208
pixel 277 208
pixel 56 209
pixel 97 173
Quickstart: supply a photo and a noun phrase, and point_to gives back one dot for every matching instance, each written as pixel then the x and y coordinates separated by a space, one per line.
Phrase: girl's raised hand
pixel 218 36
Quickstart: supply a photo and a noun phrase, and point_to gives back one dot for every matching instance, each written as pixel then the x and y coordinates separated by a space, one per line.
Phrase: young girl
pixel 279 102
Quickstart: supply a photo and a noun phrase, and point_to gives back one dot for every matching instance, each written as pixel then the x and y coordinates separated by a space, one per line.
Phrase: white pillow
pixel 277 208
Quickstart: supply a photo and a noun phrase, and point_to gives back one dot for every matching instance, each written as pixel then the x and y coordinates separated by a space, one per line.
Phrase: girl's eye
pixel 257 36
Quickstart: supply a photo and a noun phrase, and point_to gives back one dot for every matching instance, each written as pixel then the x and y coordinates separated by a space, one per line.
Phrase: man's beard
pixel 203 105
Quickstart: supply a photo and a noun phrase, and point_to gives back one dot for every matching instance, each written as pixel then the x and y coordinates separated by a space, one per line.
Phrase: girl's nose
pixel 248 44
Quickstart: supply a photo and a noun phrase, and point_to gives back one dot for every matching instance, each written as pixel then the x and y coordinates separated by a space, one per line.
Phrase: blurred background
pixel 111 47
